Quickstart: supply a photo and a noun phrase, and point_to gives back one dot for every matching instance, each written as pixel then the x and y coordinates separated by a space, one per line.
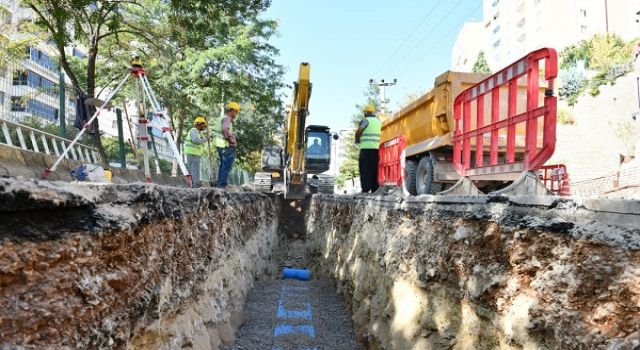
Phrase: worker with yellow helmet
pixel 225 142
pixel 368 137
pixel 194 147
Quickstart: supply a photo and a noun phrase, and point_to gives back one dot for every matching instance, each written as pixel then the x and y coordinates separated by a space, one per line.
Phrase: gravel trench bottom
pixel 295 315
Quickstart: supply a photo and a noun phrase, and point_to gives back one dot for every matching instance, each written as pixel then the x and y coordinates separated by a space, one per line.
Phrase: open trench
pixel 289 314
pixel 85 266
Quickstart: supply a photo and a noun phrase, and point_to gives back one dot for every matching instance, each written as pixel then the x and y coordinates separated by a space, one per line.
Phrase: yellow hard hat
pixel 200 120
pixel 234 106
pixel 369 109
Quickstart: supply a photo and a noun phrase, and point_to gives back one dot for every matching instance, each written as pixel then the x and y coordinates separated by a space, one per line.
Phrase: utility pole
pixel 121 155
pixel 606 16
pixel 383 98
pixel 62 108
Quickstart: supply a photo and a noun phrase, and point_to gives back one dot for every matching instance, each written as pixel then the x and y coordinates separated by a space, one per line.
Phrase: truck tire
pixel 410 168
pixel 424 177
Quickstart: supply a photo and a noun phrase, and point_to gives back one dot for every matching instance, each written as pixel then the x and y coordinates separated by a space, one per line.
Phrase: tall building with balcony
pixel 30 86
pixel 470 41
pixel 516 27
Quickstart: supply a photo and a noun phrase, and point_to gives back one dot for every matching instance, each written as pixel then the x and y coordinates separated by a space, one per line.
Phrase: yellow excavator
pixel 306 152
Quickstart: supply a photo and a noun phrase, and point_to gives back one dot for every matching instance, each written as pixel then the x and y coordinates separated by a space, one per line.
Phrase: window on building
pixel 497 43
pixel 43 59
pixel 77 53
pixel 42 110
pixel 17 104
pixel 495 3
pixel 114 124
pixel 583 13
pixel 583 29
pixel 496 29
pixel 20 77
pixel 495 17
pixel 1 98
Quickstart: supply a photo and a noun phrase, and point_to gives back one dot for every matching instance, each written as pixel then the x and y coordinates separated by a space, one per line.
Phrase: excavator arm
pixel 295 173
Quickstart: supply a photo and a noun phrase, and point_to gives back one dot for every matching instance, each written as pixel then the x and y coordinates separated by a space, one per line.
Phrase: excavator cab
pixel 318 152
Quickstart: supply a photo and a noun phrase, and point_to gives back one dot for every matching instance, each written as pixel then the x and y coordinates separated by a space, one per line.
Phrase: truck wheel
pixel 424 176
pixel 410 168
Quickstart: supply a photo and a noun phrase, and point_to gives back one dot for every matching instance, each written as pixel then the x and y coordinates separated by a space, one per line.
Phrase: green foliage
pixel 565 117
pixel 112 149
pixel 573 85
pixel 570 56
pixel 597 81
pixel 600 53
pixel 607 51
pixel 197 55
pixel 254 130
pixel 481 65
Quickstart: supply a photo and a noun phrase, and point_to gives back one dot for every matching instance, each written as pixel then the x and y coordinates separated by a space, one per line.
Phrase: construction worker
pixel 368 136
pixel 194 147
pixel 225 141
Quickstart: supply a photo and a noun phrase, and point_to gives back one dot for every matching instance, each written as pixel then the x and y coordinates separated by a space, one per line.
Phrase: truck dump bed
pixel 427 123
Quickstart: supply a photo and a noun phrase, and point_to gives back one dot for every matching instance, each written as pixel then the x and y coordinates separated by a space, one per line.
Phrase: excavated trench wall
pixel 128 266
pixel 482 273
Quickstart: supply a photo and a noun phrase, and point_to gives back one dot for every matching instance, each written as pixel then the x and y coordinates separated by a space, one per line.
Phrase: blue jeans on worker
pixel 227 155
pixel 193 164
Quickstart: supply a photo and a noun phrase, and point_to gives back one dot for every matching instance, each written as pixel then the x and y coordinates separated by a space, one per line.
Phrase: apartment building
pixel 515 27
pixel 30 87
pixel 471 40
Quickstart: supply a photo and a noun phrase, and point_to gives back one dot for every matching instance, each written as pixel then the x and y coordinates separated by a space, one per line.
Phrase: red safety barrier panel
pixel 391 162
pixel 556 179
pixel 526 147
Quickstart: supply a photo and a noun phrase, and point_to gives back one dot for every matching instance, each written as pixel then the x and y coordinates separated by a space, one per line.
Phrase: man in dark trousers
pixel 225 141
pixel 368 136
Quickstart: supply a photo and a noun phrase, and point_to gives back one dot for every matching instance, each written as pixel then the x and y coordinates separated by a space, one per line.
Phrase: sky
pixel 348 42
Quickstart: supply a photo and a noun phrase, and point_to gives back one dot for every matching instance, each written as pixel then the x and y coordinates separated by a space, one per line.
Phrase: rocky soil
pixel 128 266
pixel 492 273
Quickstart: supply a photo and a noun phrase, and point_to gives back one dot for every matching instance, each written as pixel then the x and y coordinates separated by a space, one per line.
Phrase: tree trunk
pixel 91 90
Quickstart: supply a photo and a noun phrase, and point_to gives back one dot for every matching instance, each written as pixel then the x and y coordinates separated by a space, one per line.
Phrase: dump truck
pixel 306 153
pixel 488 128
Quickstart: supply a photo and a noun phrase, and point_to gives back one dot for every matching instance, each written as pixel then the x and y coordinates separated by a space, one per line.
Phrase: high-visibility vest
pixel 218 137
pixel 192 148
pixel 370 138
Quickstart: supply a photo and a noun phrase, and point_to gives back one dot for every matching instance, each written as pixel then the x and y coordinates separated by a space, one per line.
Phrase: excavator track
pixel 262 182
pixel 326 184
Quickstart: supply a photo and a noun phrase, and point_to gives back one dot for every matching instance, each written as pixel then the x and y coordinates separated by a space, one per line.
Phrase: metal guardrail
pixel 43 142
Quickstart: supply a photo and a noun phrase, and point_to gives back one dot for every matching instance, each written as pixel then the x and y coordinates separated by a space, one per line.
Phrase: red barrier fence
pixel 391 163
pixel 510 139
pixel 556 179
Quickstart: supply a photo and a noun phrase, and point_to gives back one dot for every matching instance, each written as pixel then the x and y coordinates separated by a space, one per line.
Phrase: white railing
pixel 30 139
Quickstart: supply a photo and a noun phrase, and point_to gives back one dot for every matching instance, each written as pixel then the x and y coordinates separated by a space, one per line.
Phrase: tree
pixel 570 56
pixel 481 65
pixel 186 45
pixel 607 51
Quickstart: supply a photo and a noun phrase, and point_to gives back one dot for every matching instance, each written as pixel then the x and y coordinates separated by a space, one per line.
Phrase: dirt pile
pixel 483 273
pixel 128 266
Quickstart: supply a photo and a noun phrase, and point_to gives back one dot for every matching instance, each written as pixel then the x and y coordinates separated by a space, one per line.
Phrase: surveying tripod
pixel 159 120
